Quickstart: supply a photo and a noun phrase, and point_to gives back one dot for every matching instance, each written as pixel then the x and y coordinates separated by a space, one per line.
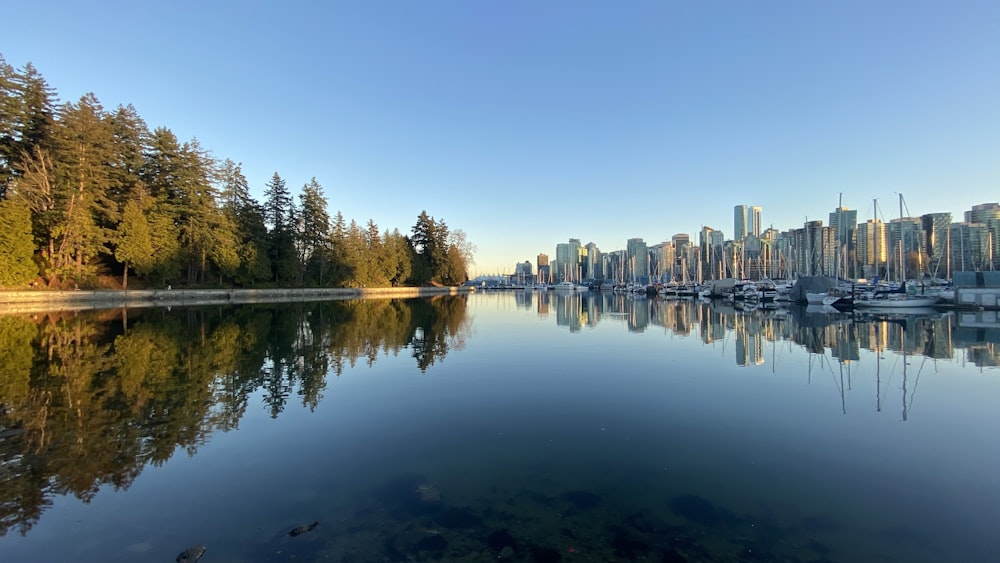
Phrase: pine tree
pixel 134 246
pixel 17 266
pixel 315 229
pixel 279 213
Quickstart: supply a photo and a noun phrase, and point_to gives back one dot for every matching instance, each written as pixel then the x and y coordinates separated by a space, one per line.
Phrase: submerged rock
pixel 191 554
pixel 299 530
pixel 428 493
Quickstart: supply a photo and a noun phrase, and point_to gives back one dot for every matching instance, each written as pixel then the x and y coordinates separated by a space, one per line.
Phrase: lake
pixel 499 426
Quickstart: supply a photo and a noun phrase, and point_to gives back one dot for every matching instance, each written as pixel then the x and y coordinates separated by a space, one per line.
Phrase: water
pixel 527 427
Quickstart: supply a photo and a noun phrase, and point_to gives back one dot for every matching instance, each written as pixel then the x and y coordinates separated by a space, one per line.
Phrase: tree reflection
pixel 89 400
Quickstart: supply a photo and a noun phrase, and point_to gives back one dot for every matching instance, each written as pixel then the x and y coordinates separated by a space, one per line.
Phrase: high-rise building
pixel 810 249
pixel 905 246
pixel 740 222
pixel 970 247
pixel 988 214
pixel 710 244
pixel 754 221
pixel 638 260
pixel 544 272
pixel 937 228
pixel 593 269
pixel 844 222
pixel 567 266
pixel 522 270
pixel 661 261
pixel 871 243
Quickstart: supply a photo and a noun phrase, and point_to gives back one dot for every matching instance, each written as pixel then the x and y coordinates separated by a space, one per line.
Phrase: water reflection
pixel 929 333
pixel 89 400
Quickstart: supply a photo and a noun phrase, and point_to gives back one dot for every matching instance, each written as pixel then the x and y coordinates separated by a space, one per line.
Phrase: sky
pixel 527 123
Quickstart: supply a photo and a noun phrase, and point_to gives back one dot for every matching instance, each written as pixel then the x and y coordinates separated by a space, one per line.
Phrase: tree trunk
pixel 125 278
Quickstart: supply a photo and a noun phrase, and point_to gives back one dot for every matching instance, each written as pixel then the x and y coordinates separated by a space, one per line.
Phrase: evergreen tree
pixel 134 246
pixel 130 138
pixel 315 229
pixel 17 266
pixel 84 153
pixel 26 120
pixel 279 213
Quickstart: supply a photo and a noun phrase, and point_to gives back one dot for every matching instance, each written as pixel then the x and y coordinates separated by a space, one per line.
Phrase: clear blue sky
pixel 526 123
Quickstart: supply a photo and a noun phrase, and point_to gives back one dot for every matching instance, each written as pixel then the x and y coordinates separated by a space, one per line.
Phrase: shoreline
pixel 42 301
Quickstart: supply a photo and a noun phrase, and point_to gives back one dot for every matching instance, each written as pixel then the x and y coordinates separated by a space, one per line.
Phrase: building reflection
pixel 931 334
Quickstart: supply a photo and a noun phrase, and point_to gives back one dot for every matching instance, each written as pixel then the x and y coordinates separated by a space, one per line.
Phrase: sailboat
pixel 899 299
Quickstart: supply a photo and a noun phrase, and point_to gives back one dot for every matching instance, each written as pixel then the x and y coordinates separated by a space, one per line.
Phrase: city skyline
pixel 524 124
pixel 976 213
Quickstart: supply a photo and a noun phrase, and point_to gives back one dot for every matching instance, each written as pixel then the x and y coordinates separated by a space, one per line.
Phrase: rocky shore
pixel 38 301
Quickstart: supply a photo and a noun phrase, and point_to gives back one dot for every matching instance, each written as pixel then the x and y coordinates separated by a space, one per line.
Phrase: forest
pixel 92 198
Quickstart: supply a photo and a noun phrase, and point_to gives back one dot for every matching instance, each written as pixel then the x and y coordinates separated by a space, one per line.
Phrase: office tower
pixel 754 221
pixel 567 264
pixel 871 243
pixel 905 246
pixel 638 260
pixel 844 222
pixel 988 214
pixel 809 249
pixel 593 269
pixel 544 272
pixel 970 247
pixel 740 222
pixel 710 242
pixel 936 237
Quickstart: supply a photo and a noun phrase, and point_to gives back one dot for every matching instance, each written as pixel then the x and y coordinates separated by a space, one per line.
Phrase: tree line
pixel 87 194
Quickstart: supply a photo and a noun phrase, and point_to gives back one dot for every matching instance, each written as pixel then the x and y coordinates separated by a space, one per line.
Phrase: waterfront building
pixel 638 260
pixel 906 247
pixel 754 220
pixel 740 222
pixel 567 261
pixel 542 262
pixel 661 262
pixel 593 268
pixel 988 214
pixel 844 223
pixel 970 247
pixel 815 250
pixel 871 243
pixel 937 228
pixel 710 243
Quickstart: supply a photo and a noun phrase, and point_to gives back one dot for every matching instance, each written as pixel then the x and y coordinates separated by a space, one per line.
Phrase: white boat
pixel 815 297
pixel 896 301
pixel 569 286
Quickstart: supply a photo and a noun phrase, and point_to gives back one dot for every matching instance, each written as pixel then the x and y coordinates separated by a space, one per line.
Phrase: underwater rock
pixel 191 554
pixel 428 493
pixel 299 530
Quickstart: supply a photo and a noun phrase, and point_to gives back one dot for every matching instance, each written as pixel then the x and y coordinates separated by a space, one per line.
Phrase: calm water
pixel 520 427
